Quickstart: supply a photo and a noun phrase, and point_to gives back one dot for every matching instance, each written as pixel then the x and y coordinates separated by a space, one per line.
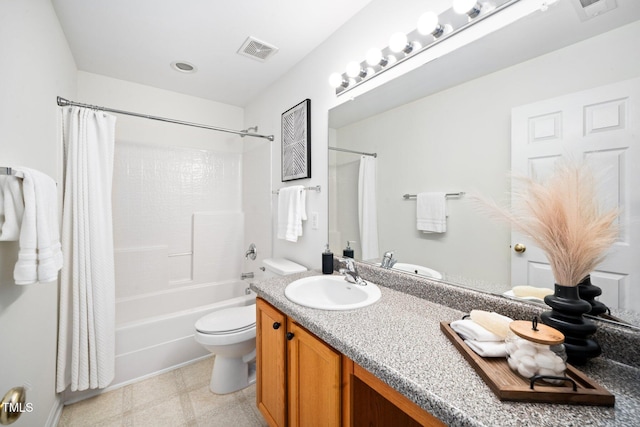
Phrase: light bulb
pixel 398 43
pixel 354 70
pixel 374 57
pixel 391 59
pixel 468 7
pixel 428 24
pixel 336 80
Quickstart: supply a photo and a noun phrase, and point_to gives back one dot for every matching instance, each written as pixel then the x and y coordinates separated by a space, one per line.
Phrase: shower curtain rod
pixel 65 102
pixel 375 155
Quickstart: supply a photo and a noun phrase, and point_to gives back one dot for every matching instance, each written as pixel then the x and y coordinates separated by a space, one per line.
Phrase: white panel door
pixel 602 126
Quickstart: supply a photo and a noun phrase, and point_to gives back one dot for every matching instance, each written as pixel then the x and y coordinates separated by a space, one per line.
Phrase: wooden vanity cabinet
pixel 298 376
pixel 271 368
pixel 302 381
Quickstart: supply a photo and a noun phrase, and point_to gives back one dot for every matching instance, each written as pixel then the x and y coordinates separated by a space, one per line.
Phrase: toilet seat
pixel 228 321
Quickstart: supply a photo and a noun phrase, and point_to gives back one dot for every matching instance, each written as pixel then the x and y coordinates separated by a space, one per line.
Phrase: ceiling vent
pixel 256 49
pixel 588 9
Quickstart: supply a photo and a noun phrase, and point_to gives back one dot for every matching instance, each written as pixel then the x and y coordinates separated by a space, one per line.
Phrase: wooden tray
pixel 508 385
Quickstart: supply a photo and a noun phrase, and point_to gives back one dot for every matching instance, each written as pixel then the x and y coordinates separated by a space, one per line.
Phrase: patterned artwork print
pixel 295 143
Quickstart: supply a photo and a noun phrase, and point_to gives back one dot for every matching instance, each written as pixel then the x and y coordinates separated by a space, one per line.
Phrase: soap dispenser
pixel 327 261
pixel 348 252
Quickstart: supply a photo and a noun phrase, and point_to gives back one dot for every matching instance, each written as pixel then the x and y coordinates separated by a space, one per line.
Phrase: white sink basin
pixel 417 269
pixel 331 293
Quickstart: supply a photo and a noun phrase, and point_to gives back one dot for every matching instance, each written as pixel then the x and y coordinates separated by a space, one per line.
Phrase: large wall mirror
pixel 446 127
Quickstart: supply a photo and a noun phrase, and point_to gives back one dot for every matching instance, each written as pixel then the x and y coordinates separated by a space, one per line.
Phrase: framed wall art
pixel 296 142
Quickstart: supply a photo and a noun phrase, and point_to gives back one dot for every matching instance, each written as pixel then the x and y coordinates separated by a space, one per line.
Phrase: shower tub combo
pixel 155 332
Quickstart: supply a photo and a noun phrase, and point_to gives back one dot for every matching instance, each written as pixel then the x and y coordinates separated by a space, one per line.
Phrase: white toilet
pixel 230 334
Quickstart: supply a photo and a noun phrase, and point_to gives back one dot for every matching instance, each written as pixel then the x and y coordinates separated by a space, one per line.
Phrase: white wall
pixel 459 140
pixel 37 66
pixel 122 95
pixel 309 79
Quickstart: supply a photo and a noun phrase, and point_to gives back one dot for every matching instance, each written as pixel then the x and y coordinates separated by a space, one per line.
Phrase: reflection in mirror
pixel 457 138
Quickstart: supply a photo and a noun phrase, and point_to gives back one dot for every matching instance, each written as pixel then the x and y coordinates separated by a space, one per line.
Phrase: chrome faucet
pixel 350 272
pixel 387 260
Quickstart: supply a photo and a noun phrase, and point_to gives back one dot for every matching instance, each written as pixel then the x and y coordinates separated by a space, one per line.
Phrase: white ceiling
pixel 136 40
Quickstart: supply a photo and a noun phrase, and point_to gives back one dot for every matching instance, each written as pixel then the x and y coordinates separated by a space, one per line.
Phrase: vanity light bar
pixel 448 24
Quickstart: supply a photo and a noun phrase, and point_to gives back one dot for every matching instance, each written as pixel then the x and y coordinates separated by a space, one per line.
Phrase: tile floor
pixel 179 398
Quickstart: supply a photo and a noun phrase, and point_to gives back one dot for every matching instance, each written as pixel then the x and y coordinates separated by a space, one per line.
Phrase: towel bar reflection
pixel 9 171
pixel 315 188
pixel 413 196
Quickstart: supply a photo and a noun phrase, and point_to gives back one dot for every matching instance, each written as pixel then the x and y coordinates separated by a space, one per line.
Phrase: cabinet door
pixel 271 365
pixel 314 380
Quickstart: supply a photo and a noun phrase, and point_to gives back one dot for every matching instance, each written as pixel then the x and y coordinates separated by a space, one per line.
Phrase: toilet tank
pixel 281 267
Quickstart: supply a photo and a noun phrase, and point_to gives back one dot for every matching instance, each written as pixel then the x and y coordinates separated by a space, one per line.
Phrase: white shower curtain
pixel 86 336
pixel 367 209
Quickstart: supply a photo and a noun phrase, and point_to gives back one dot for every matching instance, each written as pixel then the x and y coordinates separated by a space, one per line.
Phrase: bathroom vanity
pixel 390 359
pixel 303 381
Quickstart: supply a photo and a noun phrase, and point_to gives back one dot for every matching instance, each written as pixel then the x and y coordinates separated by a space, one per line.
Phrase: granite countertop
pixel 399 340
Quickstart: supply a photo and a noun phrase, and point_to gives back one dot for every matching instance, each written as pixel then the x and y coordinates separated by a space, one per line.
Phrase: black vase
pixel 566 315
pixel 588 292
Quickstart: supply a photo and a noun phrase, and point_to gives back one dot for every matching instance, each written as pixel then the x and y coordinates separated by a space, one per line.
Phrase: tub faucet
pixel 251 252
pixel 387 260
pixel 350 272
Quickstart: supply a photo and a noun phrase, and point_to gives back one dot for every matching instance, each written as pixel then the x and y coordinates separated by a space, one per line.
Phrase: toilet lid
pixel 234 319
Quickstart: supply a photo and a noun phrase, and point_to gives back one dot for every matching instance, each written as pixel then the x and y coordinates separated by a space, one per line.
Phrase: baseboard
pixel 55 413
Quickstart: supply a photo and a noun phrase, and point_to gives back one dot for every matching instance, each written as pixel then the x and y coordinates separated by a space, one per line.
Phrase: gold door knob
pixel 13 404
pixel 519 247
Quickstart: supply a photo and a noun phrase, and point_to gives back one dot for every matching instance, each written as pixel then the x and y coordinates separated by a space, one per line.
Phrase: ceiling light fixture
pixel 183 67
pixel 431 29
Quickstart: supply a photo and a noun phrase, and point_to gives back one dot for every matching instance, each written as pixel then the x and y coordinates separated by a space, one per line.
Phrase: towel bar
pixel 413 196
pixel 4 170
pixel 316 188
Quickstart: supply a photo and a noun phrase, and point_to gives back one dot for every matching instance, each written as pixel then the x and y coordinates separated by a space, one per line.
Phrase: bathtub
pixel 154 332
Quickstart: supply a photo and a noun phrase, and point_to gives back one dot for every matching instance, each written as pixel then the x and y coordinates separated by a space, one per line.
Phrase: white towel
pixel 39 258
pixel 470 330
pixel 367 208
pixel 431 212
pixel 291 212
pixel 11 207
pixel 488 348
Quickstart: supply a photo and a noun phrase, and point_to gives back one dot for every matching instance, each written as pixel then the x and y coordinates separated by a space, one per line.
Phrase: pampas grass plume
pixel 563 217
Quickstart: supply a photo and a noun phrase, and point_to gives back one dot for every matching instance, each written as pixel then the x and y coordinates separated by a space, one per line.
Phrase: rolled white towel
pixel 11 208
pixel 488 348
pixel 39 257
pixel 470 330
pixel 494 322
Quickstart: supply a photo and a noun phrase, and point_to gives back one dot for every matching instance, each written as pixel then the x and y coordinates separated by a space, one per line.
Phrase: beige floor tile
pixel 197 374
pixel 228 415
pixel 154 389
pixel 204 401
pixel 94 410
pixel 163 413
pixel 180 398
